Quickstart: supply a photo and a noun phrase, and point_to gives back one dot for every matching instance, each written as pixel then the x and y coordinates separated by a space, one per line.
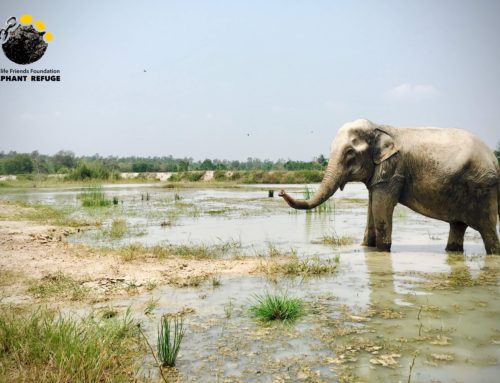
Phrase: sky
pixel 237 79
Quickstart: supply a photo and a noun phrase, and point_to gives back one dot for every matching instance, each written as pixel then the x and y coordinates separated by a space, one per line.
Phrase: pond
pixel 416 314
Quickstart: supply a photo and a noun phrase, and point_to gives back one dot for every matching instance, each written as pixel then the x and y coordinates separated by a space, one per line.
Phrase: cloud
pixel 411 92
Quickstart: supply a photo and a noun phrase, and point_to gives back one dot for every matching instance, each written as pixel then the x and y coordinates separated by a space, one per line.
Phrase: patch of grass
pixel 277 307
pixel 336 240
pixel 118 228
pixel 49 347
pixel 108 312
pixel 151 285
pixel 228 309
pixel 274 252
pixel 170 335
pixel 44 214
pixel 325 207
pixel 151 304
pixel 304 267
pixel 196 251
pixel 58 285
pixel 93 196
pixel 216 281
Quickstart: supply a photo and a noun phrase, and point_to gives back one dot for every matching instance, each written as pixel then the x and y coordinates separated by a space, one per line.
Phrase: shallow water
pixel 417 305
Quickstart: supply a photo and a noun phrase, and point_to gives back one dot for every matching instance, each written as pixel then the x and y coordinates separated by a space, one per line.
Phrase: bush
pixel 86 171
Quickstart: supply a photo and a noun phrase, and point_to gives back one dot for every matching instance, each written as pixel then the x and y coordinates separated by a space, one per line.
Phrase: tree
pixel 64 159
pixel 497 152
pixel 207 165
pixel 18 164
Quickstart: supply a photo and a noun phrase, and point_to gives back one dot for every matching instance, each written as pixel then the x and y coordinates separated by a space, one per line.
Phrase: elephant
pixel 446 174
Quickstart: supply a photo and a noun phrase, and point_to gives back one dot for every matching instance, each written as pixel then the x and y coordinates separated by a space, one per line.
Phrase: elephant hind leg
pixel 456 237
pixel 370 238
pixel 490 239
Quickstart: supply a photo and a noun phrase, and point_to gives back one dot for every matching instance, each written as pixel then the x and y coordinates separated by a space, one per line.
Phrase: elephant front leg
pixel 370 238
pixel 456 237
pixel 383 202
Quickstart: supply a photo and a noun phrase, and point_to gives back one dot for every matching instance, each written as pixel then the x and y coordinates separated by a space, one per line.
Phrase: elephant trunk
pixel 329 185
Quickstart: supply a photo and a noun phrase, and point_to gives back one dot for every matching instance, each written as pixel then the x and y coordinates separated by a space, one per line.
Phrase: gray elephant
pixel 447 174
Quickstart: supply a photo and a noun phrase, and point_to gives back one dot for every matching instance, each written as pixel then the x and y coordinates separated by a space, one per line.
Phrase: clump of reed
pixel 170 335
pixel 325 207
pixel 93 196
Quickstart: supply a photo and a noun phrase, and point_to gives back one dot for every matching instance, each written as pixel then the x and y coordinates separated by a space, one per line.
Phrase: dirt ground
pixel 30 252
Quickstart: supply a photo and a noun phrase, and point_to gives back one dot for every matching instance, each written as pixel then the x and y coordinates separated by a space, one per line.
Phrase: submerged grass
pixel 294 266
pixel 118 228
pixel 197 251
pixel 93 196
pixel 336 240
pixel 58 285
pixel 170 335
pixel 325 207
pixel 43 214
pixel 53 348
pixel 277 307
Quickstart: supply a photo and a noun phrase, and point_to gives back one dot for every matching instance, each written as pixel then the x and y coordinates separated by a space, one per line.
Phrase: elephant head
pixel 354 154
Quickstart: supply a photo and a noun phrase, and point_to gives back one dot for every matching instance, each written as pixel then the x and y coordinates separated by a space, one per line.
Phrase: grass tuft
pixel 58 285
pixel 293 266
pixel 93 196
pixel 336 240
pixel 118 228
pixel 170 336
pixel 277 307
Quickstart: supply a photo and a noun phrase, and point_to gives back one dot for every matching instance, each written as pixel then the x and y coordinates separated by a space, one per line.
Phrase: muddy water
pixel 416 314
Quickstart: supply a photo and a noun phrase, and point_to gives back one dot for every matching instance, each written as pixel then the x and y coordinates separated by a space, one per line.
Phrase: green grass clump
pixel 94 196
pixel 58 285
pixel 277 307
pixel 170 336
pixel 43 346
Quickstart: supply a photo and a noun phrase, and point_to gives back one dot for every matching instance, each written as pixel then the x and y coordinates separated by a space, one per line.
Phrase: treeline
pixel 82 167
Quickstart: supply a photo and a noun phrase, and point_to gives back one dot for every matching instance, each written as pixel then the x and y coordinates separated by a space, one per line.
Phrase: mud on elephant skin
pixel 446 174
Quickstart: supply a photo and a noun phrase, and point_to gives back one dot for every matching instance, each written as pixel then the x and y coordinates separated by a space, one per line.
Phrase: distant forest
pixel 66 162
pixel 80 167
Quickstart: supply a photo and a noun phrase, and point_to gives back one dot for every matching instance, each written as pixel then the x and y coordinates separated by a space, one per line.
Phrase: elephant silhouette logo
pixel 24 42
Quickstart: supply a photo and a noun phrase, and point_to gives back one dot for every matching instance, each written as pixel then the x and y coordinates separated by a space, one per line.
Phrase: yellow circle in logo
pixel 40 25
pixel 26 19
pixel 48 36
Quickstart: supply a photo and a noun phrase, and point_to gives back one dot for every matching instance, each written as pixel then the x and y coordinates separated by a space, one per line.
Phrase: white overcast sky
pixel 237 79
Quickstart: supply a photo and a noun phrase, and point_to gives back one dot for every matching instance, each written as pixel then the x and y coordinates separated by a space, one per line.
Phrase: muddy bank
pixel 31 252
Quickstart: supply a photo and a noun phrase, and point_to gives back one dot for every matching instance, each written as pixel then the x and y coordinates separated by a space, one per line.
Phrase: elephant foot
pixel 384 247
pixel 455 247
pixel 369 243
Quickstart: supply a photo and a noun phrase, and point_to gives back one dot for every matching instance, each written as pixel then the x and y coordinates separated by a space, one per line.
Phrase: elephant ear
pixel 384 147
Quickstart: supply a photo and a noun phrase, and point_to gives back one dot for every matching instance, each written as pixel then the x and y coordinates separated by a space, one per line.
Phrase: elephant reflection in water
pixel 446 174
pixel 420 325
